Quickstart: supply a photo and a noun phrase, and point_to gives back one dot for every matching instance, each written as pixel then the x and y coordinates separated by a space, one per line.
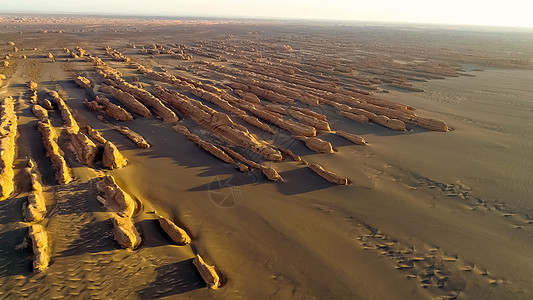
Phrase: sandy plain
pixel 426 214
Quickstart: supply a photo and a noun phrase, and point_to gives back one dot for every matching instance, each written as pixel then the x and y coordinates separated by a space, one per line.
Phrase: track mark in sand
pixel 436 271
pixel 464 193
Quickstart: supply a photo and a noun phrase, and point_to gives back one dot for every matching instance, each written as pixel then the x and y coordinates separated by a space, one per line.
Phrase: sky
pixel 515 13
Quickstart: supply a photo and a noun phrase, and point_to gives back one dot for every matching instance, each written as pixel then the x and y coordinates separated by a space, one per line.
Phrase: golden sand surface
pixel 220 140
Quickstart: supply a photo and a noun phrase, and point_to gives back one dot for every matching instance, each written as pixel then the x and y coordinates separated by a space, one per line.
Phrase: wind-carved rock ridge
pixel 8 132
pixel 316 144
pixel 115 199
pixel 127 99
pixel 40 246
pixel 176 233
pixel 145 98
pixel 214 150
pixel 136 138
pixel 35 208
pixel 102 105
pixel 269 172
pixel 54 152
pixel 84 149
pixel 208 273
pixel 122 207
pixel 217 122
pixel 328 175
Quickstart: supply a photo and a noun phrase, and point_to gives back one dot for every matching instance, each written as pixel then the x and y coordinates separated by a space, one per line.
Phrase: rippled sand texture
pixel 299 160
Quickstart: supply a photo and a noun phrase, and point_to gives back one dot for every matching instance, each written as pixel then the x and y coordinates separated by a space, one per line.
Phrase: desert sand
pixel 153 158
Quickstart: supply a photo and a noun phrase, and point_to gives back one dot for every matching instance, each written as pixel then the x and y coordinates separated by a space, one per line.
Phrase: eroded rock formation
pixel 46 104
pixel 95 135
pixel 125 233
pixel 328 175
pixel 145 98
pixel 116 55
pixel 84 149
pixel 40 246
pixel 208 273
pixel 32 85
pixel 112 158
pixel 54 153
pixel 115 199
pixel 103 105
pixel 177 234
pixel 214 150
pixel 127 99
pixel 133 136
pixel 316 144
pixel 217 122
pixel 70 123
pixel 269 172
pixel 35 208
pixel 356 139
pixel 83 82
pixel 8 132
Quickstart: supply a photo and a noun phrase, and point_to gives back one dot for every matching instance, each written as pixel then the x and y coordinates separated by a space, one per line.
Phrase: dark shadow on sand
pixel 94 237
pixel 173 279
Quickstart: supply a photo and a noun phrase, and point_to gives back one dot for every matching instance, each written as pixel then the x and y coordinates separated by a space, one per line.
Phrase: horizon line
pixel 259 18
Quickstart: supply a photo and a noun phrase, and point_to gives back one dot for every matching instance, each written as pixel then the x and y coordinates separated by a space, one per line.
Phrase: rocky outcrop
pixel 80 51
pixel 224 104
pixel 269 172
pixel 115 199
pixel 352 116
pixel 315 144
pixel 219 123
pixel 431 124
pixel 125 233
pixel 33 97
pixel 126 99
pixel 356 139
pixel 290 154
pixel 177 234
pixel 280 121
pixel 266 94
pixel 394 124
pixel 84 149
pixel 116 55
pixel 95 135
pixel 8 132
pixel 208 273
pixel 311 120
pixel 248 97
pixel 70 123
pixel 35 208
pixel 145 98
pixel 54 153
pixel 103 105
pixel 214 150
pixel 40 246
pixel 83 82
pixel 133 136
pixel 46 104
pixel 32 85
pixel 328 175
pixel 112 158
pixel 242 167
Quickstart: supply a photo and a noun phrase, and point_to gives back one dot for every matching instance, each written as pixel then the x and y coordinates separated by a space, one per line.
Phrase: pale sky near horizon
pixel 517 13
